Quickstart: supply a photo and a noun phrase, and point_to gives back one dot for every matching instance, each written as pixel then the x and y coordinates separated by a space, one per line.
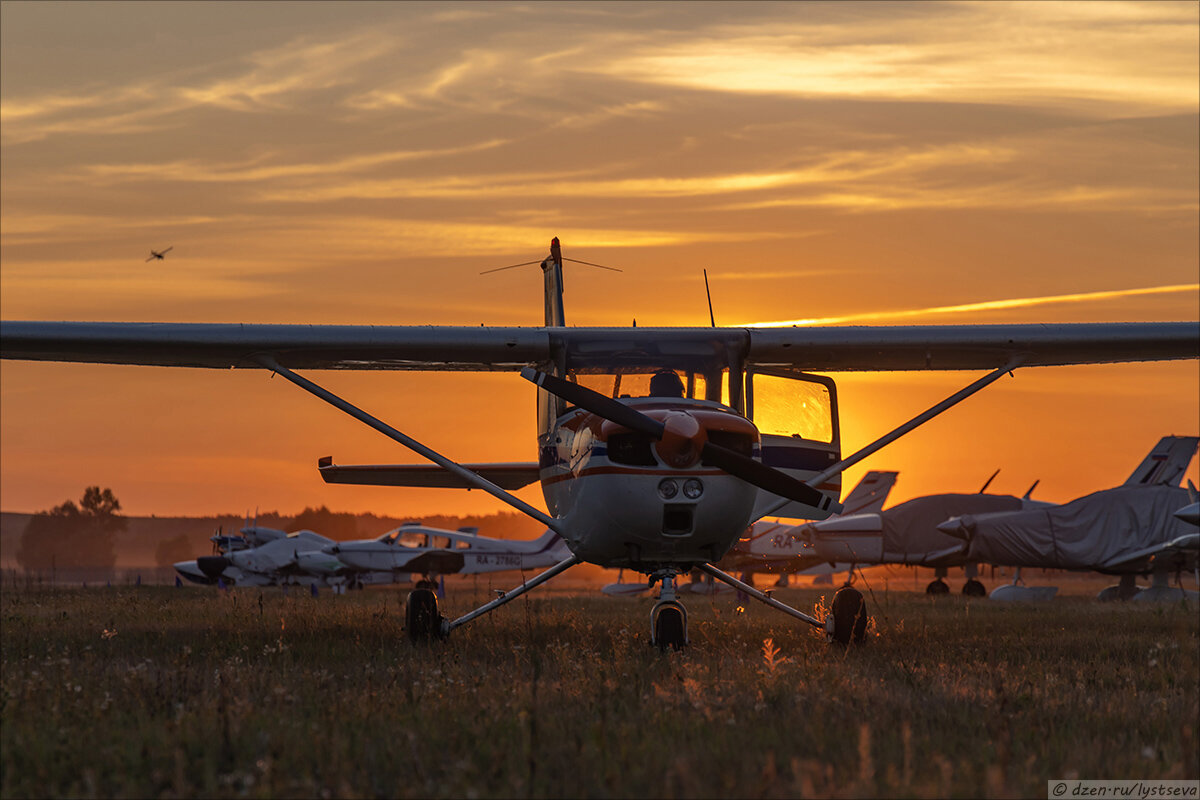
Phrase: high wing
pixel 507 476
pixel 362 347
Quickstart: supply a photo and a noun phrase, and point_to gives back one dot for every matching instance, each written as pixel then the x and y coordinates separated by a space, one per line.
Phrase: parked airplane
pixel 431 552
pixel 912 533
pixel 907 534
pixel 290 559
pixel 653 454
pixel 779 547
pixel 411 549
pixel 1128 530
pixel 159 254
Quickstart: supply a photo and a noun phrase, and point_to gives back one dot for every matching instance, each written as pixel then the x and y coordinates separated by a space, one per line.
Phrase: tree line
pixel 84 534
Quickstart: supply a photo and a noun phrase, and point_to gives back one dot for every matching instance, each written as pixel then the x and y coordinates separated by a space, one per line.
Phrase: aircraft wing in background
pixel 507 476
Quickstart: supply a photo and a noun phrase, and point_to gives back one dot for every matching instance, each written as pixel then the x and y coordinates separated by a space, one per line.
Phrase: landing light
pixel 693 488
pixel 667 488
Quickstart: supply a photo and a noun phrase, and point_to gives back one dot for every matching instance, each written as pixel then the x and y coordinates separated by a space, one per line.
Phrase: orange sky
pixel 362 163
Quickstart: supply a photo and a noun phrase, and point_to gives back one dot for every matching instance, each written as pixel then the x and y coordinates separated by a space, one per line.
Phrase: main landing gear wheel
pixel 849 616
pixel 670 625
pixel 974 588
pixel 937 586
pixel 421 618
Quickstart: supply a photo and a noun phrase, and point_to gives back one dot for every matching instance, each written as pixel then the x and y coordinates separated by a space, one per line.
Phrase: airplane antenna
pixel 711 318
pixel 1031 488
pixel 528 263
pixel 989 481
pixel 590 264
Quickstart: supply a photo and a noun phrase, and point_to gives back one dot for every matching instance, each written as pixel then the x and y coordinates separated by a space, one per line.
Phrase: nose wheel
pixel 849 616
pixel 422 621
pixel 668 618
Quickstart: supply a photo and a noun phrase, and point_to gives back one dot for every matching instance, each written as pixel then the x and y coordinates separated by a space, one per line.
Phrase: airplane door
pixel 797 419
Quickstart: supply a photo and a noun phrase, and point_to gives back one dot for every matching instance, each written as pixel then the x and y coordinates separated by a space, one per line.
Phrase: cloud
pixel 255 170
pixel 988 52
pixel 988 305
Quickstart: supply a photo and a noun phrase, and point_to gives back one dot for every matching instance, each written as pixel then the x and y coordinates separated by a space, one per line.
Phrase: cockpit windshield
pixel 649 382
pixel 407 538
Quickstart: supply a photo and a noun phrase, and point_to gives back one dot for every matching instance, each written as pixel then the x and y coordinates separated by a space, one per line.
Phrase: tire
pixel 937 586
pixel 421 618
pixel 974 588
pixel 849 616
pixel 669 629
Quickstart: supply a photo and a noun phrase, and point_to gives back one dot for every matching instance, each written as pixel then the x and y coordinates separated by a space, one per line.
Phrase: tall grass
pixel 188 692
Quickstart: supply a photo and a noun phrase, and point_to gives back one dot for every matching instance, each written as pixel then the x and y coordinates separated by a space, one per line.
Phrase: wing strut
pixel 536 580
pixel 725 577
pixel 387 430
pixel 915 422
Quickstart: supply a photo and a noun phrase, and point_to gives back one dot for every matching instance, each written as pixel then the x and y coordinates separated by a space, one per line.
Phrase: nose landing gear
pixel 668 618
pixel 422 621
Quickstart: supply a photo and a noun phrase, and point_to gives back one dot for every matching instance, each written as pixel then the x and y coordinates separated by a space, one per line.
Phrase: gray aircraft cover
pixel 1108 530
pixel 910 529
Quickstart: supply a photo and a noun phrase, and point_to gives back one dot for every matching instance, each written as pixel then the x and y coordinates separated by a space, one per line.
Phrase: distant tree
pixel 177 548
pixel 74 536
pixel 334 524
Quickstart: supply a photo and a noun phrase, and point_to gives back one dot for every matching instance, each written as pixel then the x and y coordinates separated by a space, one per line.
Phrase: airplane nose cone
pixel 212 566
pixel 960 527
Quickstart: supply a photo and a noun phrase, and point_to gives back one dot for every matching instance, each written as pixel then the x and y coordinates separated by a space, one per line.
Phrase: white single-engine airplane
pixel 431 552
pixel 778 547
pixel 652 453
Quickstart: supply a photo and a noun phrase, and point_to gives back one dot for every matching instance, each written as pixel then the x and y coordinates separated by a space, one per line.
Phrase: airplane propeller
pixel 213 566
pixel 682 437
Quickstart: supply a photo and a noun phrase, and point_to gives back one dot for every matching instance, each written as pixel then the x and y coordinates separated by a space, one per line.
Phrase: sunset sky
pixel 845 163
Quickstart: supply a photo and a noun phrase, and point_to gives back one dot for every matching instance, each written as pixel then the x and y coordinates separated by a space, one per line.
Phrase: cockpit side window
pixel 413 539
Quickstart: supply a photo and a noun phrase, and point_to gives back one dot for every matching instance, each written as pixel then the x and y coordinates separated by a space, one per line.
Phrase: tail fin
pixel 552 268
pixel 546 541
pixel 1166 463
pixel 870 493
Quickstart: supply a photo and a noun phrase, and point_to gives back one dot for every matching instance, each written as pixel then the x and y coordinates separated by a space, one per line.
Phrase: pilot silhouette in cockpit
pixel 666 383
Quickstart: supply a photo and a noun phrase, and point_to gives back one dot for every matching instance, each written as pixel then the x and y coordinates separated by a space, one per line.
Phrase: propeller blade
pixel 596 403
pixel 759 474
pixel 212 566
pixel 753 472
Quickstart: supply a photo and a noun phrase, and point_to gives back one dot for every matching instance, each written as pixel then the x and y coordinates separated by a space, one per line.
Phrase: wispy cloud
pixel 254 170
pixel 1036 52
pixel 988 305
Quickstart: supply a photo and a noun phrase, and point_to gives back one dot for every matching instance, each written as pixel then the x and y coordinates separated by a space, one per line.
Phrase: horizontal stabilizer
pixel 506 476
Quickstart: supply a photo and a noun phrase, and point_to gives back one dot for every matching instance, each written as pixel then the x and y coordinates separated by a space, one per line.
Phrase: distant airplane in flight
pixel 159 254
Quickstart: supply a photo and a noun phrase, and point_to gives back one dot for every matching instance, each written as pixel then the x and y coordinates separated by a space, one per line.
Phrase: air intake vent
pixel 677 519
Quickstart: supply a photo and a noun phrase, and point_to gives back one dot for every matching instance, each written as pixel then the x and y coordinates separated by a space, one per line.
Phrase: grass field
pixel 157 691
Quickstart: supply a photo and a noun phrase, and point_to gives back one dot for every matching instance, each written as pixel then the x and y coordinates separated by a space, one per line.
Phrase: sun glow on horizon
pixel 362 164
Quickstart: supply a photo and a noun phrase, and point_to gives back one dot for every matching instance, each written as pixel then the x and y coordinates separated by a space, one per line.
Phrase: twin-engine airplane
pixel 657 447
